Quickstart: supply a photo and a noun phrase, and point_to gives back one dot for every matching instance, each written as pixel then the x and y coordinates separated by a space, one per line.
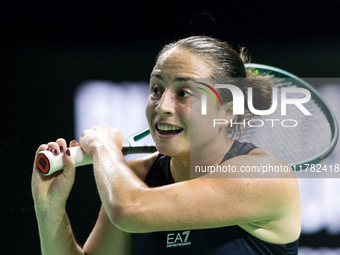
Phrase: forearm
pixel 56 237
pixel 118 186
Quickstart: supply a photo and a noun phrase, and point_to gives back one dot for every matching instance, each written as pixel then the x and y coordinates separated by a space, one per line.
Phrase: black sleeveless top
pixel 215 241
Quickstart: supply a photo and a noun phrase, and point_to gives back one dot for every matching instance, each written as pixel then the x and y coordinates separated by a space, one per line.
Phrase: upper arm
pixel 268 205
pixel 141 166
pixel 106 238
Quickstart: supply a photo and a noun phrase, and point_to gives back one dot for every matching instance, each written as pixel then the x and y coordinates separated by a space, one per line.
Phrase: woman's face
pixel 172 99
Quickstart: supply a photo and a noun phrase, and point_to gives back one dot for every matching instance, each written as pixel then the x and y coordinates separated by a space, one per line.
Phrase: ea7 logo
pixel 177 239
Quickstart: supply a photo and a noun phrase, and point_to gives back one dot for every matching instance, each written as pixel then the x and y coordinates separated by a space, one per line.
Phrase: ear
pixel 228 111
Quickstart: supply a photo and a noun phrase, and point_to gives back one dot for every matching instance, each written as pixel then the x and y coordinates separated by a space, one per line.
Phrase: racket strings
pixel 311 135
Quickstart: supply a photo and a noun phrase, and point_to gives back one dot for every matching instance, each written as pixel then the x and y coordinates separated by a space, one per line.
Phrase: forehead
pixel 181 63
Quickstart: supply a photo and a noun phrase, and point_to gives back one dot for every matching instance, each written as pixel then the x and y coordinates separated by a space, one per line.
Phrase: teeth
pixel 163 127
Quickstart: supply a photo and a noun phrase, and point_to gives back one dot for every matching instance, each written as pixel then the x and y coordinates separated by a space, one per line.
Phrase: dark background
pixel 49 47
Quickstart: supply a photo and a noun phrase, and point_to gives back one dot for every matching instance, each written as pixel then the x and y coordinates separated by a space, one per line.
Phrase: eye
pixel 155 91
pixel 183 93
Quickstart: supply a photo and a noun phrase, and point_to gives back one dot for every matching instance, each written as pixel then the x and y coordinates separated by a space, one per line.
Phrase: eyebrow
pixel 177 79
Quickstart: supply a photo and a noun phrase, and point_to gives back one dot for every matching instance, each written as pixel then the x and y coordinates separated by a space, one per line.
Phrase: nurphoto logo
pixel 238 96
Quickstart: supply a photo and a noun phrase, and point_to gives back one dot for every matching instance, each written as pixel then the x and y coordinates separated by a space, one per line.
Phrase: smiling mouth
pixel 164 129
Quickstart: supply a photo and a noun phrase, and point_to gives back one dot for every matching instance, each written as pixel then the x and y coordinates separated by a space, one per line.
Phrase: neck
pixel 180 169
pixel 211 154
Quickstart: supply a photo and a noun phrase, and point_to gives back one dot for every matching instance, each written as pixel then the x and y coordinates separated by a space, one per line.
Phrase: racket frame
pixel 279 73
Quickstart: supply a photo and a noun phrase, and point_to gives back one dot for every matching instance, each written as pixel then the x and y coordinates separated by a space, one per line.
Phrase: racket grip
pixel 48 163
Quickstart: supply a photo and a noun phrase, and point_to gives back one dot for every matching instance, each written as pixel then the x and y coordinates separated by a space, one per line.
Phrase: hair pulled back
pixel 227 66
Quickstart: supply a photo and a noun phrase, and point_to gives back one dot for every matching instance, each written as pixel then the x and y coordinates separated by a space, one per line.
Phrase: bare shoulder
pixel 270 164
pixel 272 179
pixel 141 166
pixel 260 152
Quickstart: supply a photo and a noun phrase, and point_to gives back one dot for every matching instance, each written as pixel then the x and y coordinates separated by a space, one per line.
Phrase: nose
pixel 166 104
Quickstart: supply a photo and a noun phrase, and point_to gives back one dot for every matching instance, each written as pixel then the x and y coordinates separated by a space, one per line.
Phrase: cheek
pixel 196 111
pixel 185 110
pixel 202 125
pixel 149 110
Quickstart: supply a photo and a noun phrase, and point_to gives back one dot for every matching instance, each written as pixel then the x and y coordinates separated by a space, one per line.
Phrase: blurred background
pixel 60 59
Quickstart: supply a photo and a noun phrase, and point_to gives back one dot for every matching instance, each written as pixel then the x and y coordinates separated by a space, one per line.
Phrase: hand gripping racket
pixel 48 163
pixel 310 141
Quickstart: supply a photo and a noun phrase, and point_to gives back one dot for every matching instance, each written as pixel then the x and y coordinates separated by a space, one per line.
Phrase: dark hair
pixel 227 64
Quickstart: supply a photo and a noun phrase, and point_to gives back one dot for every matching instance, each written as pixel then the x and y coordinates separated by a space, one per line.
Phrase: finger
pixel 74 143
pixel 53 147
pixel 62 145
pixel 69 165
pixel 42 147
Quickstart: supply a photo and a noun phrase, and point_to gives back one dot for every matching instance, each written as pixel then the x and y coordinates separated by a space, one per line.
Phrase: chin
pixel 173 151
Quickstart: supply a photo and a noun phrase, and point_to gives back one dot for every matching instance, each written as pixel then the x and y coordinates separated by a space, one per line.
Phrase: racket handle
pixel 48 163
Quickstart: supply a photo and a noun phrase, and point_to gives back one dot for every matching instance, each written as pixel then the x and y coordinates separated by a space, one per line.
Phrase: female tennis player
pixel 151 205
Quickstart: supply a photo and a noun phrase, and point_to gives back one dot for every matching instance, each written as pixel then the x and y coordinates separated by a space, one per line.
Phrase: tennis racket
pixel 309 142
pixel 48 163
